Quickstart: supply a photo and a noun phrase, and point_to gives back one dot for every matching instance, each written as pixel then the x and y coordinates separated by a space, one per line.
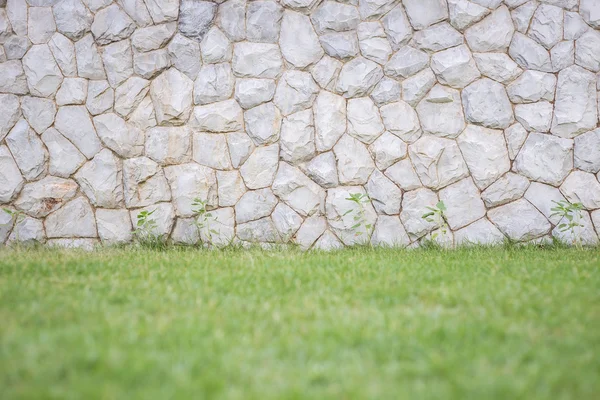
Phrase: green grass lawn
pixel 378 324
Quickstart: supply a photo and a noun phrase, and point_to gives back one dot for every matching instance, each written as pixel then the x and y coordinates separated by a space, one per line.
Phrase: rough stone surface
pixel 114 226
pixel 545 158
pixel 74 219
pixel 486 103
pixel 354 163
pixel 582 187
pixel 437 161
pixel 414 204
pixel 462 202
pixel 40 198
pixel 28 150
pixel 11 180
pixel 587 151
pixel 441 112
pixel 340 215
pixel 506 189
pixel 101 179
pixel 520 221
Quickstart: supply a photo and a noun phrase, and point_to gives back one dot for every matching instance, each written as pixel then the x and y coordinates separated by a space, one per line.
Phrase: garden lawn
pixel 356 324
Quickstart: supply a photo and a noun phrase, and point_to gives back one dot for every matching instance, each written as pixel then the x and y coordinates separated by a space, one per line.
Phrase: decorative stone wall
pixel 274 112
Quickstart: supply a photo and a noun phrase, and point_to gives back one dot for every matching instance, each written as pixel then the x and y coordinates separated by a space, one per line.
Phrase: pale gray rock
pixel 406 62
pixel 544 198
pixel 303 6
pixel 486 103
pixel 296 91
pixel 335 17
pixel 373 42
pixel 532 86
pixel 171 95
pixel 506 189
pixel 224 226
pixel 312 228
pixel 129 95
pixel 582 235
pixel 45 196
pixel 387 150
pixel 515 136
pixel 299 192
pixel 231 187
pixel 163 215
pixel 114 226
pixel 6 224
pixel 168 145
pixel 340 215
pixel 520 221
pixel 298 137
pixel 569 5
pixel 414 205
pixel 137 10
pixel 403 174
pixel 215 82
pixel 287 221
pixel 401 119
pixel 364 121
pixel 582 187
pixel 340 45
pixel 40 24
pixel 417 86
pixel 231 17
pixel 298 40
pixel 101 180
pixel 74 219
pixel 455 67
pixel 118 61
pixel 485 153
pixel 372 9
pixel 590 11
pixel 326 72
pixel 328 242
pixel 493 33
pixel 195 17
pixel 397 27
pixel 252 92
pixel 441 112
pixel 259 231
pixel 28 231
pixel 358 77
pixel 562 55
pixel 492 4
pixel 11 180
pixel 5 28
pixel 75 124
pixel 323 170
pixel 587 51
pixel 463 203
pixel 387 91
pixel 15 47
pixel 481 232
pixel 111 24
pixel 168 10
pixel 330 119
pixel 72 91
pixel 385 196
pixel 143 117
pixel 576 109
pixel 437 161
pixel 389 232
pixel 497 66
pixel 574 26
pixel 464 13
pixel 259 169
pixel 11 112
pixel 437 38
pixel 43 75
pixel 16 11
pixel 215 47
pixel 145 183
pixel 100 97
pixel 424 13
pixel 529 54
pixel 535 116
pixel 65 159
pixel 153 37
pixel 152 63
pixel 72 18
pixel 12 78
pixel 547 25
pixel 263 123
pixel 240 148
pixel 257 60
pixel 211 150
pixel 185 55
pixel 38 112
pixel 188 182
pixel 28 150
pixel 254 205
pixel 89 63
pixel 263 19
pixel 119 136
pixel 587 151
pixel 93 5
pixel 545 158
pixel 354 163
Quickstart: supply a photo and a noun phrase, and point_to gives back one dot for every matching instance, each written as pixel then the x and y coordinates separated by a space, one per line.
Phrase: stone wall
pixel 274 112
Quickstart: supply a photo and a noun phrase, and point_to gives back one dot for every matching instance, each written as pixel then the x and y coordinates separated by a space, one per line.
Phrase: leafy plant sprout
pixel 17 216
pixel 571 213
pixel 436 215
pixel 145 228
pixel 204 219
pixel 360 227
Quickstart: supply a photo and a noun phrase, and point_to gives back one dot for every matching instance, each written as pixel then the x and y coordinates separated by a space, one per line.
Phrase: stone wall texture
pixel 274 112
